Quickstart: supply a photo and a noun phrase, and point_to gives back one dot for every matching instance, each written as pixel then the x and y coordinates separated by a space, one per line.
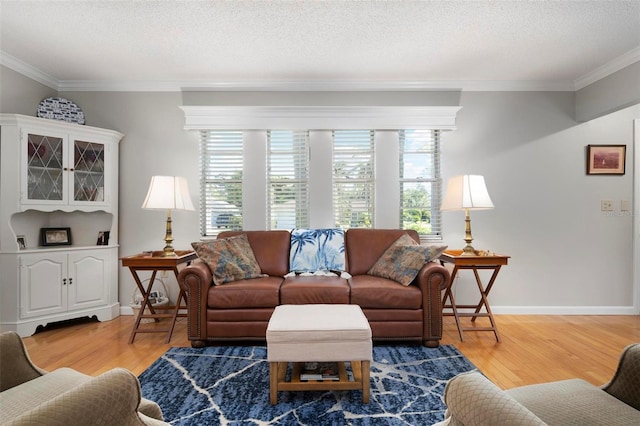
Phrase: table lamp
pixel 467 192
pixel 168 193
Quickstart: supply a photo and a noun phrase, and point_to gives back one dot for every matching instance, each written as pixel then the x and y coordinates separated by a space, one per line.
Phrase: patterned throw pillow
pixel 317 250
pixel 230 259
pixel 402 261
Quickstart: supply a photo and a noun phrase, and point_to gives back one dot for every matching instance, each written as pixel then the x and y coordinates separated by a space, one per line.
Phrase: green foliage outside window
pixel 416 213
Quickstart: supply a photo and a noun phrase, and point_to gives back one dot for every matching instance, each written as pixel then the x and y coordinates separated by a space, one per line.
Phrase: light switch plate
pixel 625 206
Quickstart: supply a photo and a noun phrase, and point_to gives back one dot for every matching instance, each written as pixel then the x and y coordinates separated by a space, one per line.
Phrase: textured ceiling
pixel 199 43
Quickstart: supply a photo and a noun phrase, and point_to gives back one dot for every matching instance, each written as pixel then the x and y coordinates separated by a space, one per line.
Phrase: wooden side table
pixel 154 261
pixel 474 263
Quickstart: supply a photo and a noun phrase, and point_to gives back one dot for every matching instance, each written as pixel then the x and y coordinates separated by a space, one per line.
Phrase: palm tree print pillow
pixel 317 250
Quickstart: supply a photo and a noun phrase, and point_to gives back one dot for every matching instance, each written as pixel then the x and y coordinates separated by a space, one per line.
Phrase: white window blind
pixel 288 179
pixel 420 182
pixel 220 181
pixel 353 178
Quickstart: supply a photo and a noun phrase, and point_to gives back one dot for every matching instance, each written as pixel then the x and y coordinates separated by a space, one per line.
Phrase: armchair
pixel 472 399
pixel 30 395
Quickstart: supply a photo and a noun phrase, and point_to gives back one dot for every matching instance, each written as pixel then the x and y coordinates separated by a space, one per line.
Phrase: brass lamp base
pixel 468 250
pixel 168 250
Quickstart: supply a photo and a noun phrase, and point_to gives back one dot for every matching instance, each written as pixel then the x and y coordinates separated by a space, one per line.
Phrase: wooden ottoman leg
pixel 365 365
pixel 273 383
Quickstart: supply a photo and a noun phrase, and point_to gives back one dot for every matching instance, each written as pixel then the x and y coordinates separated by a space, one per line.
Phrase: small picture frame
pixel 103 238
pixel 55 236
pixel 606 159
pixel 22 242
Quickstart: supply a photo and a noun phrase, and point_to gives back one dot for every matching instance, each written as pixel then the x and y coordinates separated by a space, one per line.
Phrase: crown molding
pixel 516 86
pixel 319 86
pixel 629 58
pixel 313 86
pixel 48 80
pixel 381 86
pixel 28 71
pixel 314 117
pixel 119 86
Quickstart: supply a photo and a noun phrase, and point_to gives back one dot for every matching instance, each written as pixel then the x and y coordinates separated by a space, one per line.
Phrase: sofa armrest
pixel 432 279
pixel 473 400
pixel 150 409
pixel 624 384
pixel 17 367
pixel 195 280
pixel 109 399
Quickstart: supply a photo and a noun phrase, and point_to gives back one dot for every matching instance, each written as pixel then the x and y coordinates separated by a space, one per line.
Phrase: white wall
pixel 19 94
pixel 567 255
pixel 609 94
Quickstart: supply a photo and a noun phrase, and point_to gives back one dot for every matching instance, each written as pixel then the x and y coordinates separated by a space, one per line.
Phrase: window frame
pixel 210 156
pixel 300 181
pixel 432 149
pixel 368 182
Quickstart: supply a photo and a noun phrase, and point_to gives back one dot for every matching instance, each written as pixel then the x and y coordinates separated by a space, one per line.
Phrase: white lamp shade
pixel 168 193
pixel 466 192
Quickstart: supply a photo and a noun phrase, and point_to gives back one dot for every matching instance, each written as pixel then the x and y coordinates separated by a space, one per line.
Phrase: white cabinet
pixel 58 282
pixel 57 175
pixel 41 287
pixel 60 168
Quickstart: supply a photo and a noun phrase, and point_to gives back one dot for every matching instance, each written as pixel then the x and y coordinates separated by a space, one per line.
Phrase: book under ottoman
pixel 318 333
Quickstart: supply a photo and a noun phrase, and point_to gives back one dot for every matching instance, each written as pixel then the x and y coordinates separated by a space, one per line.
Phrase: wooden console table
pixel 474 263
pixel 154 261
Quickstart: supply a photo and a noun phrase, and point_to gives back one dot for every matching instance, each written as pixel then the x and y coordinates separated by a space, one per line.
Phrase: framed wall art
pixel 606 159
pixel 55 236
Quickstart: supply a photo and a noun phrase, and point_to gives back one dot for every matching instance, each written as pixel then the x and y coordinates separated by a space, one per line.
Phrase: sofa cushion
pixel 317 250
pixel 365 246
pixel 240 315
pixel 253 293
pixel 574 402
pixel 301 290
pixel 230 259
pixel 402 261
pixel 270 248
pixel 382 293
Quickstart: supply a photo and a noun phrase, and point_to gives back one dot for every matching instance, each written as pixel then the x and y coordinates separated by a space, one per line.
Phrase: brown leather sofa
pixel 240 310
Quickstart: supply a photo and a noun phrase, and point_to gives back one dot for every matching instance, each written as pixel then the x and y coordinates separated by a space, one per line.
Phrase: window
pixel 420 181
pixel 335 196
pixel 220 181
pixel 353 178
pixel 288 187
pixel 288 179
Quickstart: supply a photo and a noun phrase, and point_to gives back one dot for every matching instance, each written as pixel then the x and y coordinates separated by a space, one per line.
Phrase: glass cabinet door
pixel 44 167
pixel 88 171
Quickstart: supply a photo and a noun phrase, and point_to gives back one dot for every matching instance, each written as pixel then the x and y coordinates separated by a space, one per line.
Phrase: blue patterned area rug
pixel 229 385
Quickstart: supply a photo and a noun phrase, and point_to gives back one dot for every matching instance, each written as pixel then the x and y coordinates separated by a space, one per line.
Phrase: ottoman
pixel 318 333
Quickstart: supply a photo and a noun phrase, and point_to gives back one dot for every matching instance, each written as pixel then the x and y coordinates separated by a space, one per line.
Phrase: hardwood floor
pixel 534 349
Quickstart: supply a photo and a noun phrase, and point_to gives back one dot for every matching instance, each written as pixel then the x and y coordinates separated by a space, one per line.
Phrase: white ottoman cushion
pixel 301 333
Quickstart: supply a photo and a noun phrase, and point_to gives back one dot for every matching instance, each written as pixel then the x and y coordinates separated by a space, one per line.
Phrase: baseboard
pixel 564 310
pixel 128 310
